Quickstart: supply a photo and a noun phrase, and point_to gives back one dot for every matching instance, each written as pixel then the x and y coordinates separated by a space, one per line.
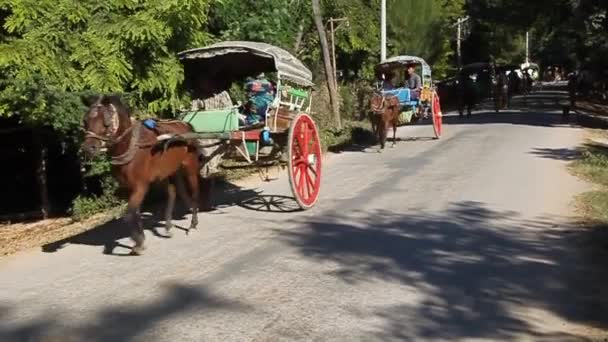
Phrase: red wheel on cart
pixel 304 148
pixel 436 115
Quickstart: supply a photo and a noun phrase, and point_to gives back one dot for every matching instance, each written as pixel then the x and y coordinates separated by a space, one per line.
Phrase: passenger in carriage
pixel 260 94
pixel 413 82
pixel 387 81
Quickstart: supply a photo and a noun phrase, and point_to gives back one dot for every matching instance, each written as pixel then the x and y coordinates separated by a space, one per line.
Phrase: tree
pixel 54 49
pixel 423 28
pixel 329 75
pixel 275 22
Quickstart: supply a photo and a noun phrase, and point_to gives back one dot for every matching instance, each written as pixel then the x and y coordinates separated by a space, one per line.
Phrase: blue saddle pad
pixel 403 94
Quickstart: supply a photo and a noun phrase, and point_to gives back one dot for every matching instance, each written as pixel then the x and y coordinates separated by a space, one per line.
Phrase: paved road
pixel 465 238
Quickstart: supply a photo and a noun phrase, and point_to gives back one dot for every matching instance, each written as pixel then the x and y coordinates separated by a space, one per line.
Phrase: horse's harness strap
pixel 381 107
pixel 134 145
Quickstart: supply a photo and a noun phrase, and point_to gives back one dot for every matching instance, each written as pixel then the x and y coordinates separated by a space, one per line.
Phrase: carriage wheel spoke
pixel 302 184
pixel 301 139
pixel 311 184
pixel 312 169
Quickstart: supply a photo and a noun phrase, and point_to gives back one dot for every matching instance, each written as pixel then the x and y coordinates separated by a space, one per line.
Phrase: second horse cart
pixel 427 104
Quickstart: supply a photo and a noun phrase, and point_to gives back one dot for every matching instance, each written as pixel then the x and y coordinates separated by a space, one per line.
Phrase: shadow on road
pixel 512 117
pixel 473 267
pixel 122 323
pixel 224 194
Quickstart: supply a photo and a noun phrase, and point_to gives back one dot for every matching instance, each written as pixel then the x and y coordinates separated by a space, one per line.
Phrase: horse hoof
pixel 138 250
pixel 168 233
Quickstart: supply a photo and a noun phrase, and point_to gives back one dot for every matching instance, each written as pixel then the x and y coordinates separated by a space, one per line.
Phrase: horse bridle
pixel 111 123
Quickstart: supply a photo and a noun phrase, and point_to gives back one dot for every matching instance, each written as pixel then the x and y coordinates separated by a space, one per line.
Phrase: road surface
pixel 464 238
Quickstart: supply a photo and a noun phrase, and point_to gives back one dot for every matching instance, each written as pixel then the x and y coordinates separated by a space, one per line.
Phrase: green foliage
pixel 87 206
pixel 423 28
pixel 54 48
pixel 561 31
pixel 270 21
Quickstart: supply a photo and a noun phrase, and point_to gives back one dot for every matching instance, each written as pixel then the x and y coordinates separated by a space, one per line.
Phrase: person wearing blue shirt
pixel 260 95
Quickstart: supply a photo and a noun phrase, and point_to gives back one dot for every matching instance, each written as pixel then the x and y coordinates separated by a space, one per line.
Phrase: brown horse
pixel 138 159
pixel 384 114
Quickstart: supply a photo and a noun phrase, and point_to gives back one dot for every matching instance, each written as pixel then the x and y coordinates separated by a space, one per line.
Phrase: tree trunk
pixel 329 73
pixel 299 36
pixel 41 174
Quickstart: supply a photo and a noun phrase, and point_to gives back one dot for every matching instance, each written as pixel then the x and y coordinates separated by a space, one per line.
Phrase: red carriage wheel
pixel 436 115
pixel 304 148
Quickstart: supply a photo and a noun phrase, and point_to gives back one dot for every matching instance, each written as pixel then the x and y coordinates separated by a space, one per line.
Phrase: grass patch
pixel 593 164
pixel 594 206
pixel 593 167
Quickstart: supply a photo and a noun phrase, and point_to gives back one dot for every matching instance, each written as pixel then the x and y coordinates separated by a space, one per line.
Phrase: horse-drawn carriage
pixel 142 152
pixel 411 105
pixel 286 133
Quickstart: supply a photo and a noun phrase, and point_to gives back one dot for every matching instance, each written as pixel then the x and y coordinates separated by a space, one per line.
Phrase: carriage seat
pixel 404 96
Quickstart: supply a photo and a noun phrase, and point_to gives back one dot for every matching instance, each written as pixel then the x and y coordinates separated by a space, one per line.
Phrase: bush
pixel 86 206
pixel 106 198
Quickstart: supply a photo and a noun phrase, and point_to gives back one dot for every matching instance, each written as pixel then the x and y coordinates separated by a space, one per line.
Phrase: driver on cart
pixel 260 95
pixel 413 82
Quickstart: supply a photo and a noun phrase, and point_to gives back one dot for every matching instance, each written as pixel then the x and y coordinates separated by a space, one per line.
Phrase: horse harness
pixel 111 122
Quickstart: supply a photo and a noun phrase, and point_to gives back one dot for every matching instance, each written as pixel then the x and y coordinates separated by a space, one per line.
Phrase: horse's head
pixel 106 118
pixel 377 103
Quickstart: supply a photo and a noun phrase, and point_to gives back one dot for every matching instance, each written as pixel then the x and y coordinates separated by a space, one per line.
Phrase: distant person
pixel 572 85
pixel 466 94
pixel 514 82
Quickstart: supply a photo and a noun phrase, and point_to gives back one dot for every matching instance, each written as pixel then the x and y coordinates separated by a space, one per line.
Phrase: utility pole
pixel 332 29
pixel 382 30
pixel 459 23
pixel 527 48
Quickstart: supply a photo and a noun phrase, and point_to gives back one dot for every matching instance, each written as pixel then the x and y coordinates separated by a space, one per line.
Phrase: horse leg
pixel 382 133
pixel 192 177
pixel 394 133
pixel 134 217
pixel 171 195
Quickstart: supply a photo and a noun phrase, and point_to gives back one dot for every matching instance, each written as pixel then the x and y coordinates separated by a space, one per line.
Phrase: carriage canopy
pixel 401 61
pixel 239 59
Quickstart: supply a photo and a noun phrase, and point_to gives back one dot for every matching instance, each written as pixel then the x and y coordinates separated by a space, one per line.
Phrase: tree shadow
pixel 563 154
pixel 471 265
pixel 511 117
pixel 122 323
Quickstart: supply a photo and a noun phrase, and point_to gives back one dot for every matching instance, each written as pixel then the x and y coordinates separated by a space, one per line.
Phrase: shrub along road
pixel 467 237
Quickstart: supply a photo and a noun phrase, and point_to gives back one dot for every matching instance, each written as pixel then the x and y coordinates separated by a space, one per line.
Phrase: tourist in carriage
pixel 260 94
